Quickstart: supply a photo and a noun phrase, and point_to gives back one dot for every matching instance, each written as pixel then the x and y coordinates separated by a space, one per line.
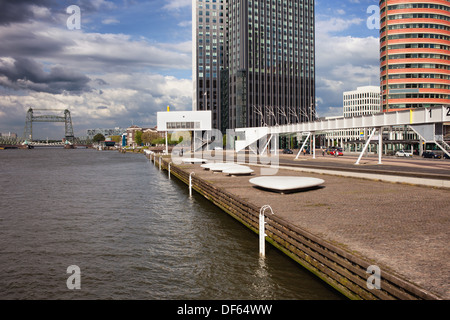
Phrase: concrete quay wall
pixel 332 261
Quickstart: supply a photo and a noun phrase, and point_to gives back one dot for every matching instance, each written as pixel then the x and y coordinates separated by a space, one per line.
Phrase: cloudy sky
pixel 132 58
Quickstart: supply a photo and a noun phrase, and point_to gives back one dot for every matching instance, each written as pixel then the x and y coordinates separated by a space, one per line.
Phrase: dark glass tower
pixel 209 58
pixel 265 71
pixel 271 62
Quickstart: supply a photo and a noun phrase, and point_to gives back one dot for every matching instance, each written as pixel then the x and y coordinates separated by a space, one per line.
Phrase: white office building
pixel 359 102
pixel 362 101
pixel 366 101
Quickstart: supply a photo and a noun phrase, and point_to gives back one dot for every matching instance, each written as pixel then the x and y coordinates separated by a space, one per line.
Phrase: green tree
pixel 138 137
pixel 116 138
pixel 148 137
pixel 98 137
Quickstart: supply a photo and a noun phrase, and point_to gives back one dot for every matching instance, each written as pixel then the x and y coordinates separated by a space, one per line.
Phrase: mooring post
pixel 169 169
pixel 190 183
pixel 159 163
pixel 262 230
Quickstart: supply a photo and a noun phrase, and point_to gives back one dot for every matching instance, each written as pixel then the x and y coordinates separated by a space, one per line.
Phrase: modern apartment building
pixel 264 69
pixel 414 53
pixel 209 57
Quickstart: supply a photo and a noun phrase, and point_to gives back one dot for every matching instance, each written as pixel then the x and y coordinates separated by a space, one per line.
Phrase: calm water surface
pixel 133 233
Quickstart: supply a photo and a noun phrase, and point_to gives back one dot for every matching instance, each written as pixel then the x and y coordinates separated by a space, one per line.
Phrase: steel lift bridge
pixel 66 118
pixel 428 123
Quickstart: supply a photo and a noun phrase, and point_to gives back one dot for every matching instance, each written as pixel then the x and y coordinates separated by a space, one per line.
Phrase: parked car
pixel 403 153
pixel 431 154
pixel 446 156
pixel 337 152
pixel 330 150
pixel 287 151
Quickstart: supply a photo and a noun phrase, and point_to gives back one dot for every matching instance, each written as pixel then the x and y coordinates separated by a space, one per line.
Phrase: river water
pixel 133 233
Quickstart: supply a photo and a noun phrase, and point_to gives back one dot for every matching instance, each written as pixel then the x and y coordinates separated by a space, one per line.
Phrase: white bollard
pixel 190 183
pixel 159 163
pixel 169 169
pixel 262 230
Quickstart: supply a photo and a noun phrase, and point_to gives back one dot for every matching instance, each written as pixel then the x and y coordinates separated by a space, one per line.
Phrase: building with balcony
pixel 414 53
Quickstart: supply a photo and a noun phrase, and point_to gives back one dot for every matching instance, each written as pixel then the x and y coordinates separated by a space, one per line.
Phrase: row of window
pixel 419 86
pixel 419 96
pixel 416 16
pixel 213 1
pixel 183 125
pixel 366 103
pixel 208 20
pixel 417 76
pixel 416 46
pixel 417 56
pixel 418 6
pixel 417 36
pixel 417 26
pixel 412 105
pixel 207 75
pixel 285 3
pixel 417 66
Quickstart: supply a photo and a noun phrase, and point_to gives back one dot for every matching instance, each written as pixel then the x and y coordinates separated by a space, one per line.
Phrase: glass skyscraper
pixel 255 60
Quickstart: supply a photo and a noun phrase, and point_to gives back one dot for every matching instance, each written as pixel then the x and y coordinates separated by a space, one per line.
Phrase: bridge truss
pixel 66 118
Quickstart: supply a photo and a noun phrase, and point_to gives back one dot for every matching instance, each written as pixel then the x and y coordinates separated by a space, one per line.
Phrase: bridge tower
pixel 66 118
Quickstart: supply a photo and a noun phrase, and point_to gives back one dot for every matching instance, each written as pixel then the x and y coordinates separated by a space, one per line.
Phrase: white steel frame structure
pixel 426 122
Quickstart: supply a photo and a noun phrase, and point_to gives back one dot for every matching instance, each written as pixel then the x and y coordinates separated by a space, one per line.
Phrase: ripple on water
pixel 134 233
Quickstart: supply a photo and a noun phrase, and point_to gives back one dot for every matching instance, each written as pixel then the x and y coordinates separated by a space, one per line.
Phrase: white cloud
pixel 110 21
pixel 177 4
pixel 128 77
pixel 124 99
pixel 343 62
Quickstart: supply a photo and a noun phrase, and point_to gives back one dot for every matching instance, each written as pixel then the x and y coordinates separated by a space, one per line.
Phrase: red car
pixel 337 152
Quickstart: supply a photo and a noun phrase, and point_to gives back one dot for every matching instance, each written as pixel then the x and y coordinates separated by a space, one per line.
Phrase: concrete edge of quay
pixel 344 271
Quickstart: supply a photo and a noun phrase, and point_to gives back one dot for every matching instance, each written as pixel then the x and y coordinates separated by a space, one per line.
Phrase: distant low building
pixel 9 135
pixel 105 132
pixel 131 133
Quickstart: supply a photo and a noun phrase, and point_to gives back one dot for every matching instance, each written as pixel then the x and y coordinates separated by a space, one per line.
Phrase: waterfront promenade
pixel 400 227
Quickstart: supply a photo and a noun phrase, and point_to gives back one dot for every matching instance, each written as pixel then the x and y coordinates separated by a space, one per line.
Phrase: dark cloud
pixel 13 11
pixel 26 74
pixel 100 81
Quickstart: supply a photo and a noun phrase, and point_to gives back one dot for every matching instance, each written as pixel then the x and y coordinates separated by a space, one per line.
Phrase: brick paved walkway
pixel 400 227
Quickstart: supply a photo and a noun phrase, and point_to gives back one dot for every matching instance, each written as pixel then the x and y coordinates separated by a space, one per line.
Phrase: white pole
pixel 380 144
pixel 314 145
pixel 190 183
pixel 262 230
pixel 167 145
pixel 169 169
pixel 159 163
pixel 262 235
